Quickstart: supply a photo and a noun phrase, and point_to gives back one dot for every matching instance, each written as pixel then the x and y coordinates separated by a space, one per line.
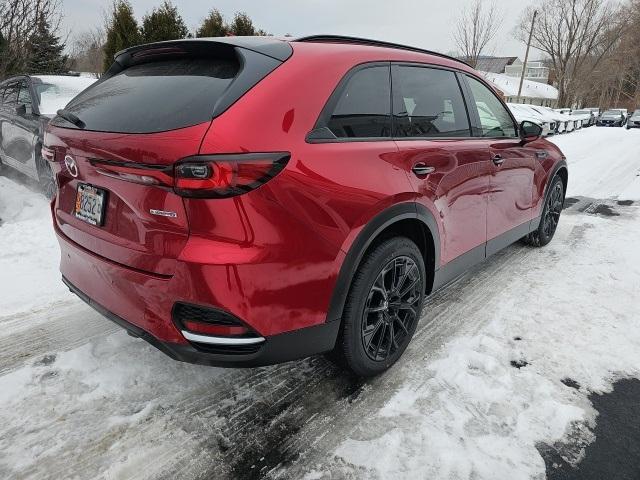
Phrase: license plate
pixel 90 204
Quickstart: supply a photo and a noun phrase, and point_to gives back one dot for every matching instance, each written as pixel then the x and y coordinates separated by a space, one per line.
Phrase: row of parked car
pixel 564 120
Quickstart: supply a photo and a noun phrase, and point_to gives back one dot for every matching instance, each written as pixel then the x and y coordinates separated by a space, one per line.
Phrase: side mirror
pixel 530 131
pixel 21 110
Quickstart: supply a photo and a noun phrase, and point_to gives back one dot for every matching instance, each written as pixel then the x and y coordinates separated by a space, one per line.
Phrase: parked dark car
pixel 27 103
pixel 634 120
pixel 611 118
pixel 242 201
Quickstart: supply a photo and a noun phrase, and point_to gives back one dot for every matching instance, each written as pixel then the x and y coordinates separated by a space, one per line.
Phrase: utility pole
pixel 526 55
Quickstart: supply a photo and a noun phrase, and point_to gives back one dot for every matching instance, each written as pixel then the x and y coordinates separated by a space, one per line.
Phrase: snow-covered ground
pixel 81 399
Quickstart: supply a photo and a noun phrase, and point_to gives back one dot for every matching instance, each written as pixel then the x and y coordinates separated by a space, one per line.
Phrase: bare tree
pixel 87 51
pixel 475 29
pixel 576 35
pixel 18 22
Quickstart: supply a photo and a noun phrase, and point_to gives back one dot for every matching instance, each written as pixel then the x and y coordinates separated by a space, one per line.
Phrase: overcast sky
pixel 423 23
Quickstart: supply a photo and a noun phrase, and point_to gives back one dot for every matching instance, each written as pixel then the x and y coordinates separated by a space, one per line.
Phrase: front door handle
pixel 422 169
pixel 497 160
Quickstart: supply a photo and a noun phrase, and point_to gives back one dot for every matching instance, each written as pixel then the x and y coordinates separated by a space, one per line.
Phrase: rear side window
pixel 428 102
pixel 157 96
pixel 495 121
pixel 363 109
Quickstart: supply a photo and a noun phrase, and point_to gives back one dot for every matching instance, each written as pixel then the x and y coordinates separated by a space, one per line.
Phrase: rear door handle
pixel 497 160
pixel 422 169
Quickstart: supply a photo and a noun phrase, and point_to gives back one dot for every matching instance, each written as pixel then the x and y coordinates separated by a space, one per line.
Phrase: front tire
pixel 383 307
pixel 550 215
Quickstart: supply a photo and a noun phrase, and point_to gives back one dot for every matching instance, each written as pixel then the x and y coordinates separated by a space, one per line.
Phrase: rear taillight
pixel 202 176
pixel 48 154
pixel 221 176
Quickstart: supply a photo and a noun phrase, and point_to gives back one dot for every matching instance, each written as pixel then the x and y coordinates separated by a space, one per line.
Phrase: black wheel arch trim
pixel 552 174
pixel 384 219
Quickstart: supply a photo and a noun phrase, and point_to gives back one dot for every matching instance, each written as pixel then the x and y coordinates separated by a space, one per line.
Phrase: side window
pixel 428 103
pixel 363 109
pixel 494 118
pixel 24 96
pixel 10 96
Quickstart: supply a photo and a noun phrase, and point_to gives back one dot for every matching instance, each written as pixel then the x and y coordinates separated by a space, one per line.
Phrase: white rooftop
pixel 530 89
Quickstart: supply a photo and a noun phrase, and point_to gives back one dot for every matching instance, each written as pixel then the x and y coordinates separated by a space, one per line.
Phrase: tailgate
pixel 144 226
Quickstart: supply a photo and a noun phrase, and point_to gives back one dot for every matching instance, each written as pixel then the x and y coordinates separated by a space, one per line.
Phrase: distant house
pixel 534 93
pixel 504 73
pixel 535 71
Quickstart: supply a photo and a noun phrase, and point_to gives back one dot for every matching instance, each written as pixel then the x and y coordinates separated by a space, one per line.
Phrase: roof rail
pixel 373 43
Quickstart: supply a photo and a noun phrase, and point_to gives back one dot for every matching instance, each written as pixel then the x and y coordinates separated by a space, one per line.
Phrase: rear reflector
pixel 212 329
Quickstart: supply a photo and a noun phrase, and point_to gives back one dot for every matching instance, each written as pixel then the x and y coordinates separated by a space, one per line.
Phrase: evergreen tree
pixel 45 52
pixel 122 31
pixel 242 25
pixel 213 26
pixel 163 23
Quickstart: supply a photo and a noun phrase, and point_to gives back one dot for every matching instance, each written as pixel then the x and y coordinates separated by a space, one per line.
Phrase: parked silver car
pixel 634 120
pixel 27 103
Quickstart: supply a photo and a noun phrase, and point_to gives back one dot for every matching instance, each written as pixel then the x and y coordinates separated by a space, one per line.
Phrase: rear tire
pixel 550 215
pixel 383 307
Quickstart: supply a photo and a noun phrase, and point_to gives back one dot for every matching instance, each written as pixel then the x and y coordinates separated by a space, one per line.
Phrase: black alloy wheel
pixel 383 307
pixel 391 310
pixel 550 218
pixel 553 209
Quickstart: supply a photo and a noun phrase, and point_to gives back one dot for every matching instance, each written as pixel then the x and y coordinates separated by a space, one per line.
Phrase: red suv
pixel 245 201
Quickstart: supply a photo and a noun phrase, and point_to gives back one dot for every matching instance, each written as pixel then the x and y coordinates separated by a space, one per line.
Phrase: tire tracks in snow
pixel 271 421
pixel 64 328
pixel 274 416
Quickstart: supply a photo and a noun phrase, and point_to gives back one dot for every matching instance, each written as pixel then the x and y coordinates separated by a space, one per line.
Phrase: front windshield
pixel 581 112
pixel 636 113
pixel 611 113
pixel 55 93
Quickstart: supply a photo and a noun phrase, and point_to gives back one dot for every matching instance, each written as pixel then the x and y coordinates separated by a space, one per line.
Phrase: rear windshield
pixel 154 97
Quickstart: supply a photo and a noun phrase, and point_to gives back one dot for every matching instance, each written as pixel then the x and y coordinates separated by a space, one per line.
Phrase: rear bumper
pixel 142 303
pixel 275 349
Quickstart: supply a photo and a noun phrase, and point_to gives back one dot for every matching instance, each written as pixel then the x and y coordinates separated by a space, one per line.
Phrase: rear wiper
pixel 70 117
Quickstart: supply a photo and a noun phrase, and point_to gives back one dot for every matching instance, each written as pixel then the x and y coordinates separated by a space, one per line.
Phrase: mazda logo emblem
pixel 72 166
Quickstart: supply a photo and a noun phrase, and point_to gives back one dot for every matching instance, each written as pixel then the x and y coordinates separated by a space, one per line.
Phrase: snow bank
pixel 509 86
pixel 29 253
pixel 603 162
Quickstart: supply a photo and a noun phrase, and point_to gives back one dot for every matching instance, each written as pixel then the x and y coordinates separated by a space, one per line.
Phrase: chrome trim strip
pixel 194 337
